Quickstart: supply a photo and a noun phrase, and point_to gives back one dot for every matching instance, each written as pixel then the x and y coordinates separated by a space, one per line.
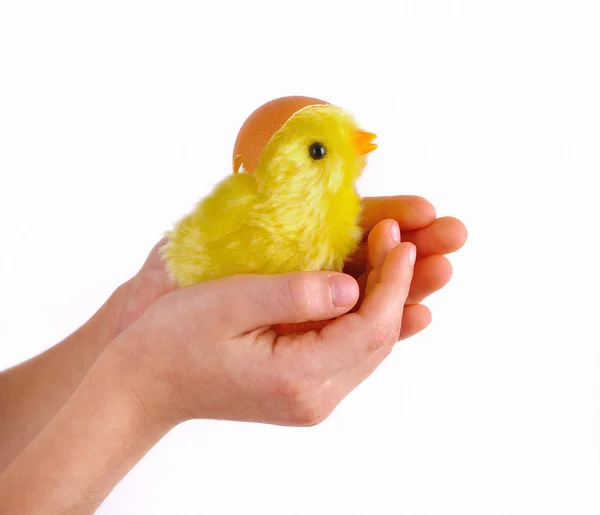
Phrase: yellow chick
pixel 298 210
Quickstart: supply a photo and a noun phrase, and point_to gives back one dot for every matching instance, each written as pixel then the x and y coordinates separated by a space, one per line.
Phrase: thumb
pixel 259 300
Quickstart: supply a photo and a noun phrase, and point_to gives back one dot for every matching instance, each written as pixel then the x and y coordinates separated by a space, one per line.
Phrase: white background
pixel 115 117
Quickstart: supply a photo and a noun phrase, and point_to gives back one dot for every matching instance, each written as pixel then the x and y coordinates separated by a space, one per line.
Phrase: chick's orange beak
pixel 363 142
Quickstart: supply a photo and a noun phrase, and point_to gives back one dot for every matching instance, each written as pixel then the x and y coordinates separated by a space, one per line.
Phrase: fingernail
pixel 412 254
pixel 396 232
pixel 344 290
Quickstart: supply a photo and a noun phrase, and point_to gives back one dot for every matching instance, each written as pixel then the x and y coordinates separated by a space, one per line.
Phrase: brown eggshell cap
pixel 262 124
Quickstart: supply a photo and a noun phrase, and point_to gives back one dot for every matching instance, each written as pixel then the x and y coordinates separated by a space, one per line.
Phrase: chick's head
pixel 320 146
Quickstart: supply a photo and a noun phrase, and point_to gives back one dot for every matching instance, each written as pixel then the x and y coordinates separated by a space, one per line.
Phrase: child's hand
pixel 416 218
pixel 207 351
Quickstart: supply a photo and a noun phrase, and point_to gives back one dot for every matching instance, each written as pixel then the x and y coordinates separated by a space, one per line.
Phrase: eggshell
pixel 262 124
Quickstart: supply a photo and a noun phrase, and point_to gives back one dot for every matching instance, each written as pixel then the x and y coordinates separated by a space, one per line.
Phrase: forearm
pixel 32 392
pixel 99 434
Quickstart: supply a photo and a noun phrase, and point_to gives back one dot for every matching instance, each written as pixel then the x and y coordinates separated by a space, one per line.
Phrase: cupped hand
pixel 417 221
pixel 208 351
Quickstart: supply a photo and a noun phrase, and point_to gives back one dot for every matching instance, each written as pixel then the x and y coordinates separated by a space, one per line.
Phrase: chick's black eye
pixel 317 150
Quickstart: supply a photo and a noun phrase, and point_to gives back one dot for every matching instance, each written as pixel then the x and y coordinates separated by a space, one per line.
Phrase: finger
pixel 362 283
pixel 443 236
pixel 389 294
pixel 415 318
pixel 382 239
pixel 409 211
pixel 372 279
pixel 431 274
pixel 243 303
pixel 354 337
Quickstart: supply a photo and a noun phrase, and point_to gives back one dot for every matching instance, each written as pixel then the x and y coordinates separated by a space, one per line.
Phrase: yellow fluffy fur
pixel 293 213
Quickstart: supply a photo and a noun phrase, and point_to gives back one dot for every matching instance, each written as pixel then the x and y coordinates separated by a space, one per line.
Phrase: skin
pixel 77 418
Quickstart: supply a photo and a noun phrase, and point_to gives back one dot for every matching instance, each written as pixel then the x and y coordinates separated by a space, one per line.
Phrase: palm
pixel 416 217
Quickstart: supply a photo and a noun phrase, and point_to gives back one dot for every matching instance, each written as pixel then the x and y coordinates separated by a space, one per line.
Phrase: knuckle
pixel 301 295
pixel 307 412
pixel 302 405
pixel 289 388
pixel 383 335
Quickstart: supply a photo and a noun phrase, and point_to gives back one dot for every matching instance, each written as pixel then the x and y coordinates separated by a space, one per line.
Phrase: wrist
pixel 104 325
pixel 148 389
pixel 126 305
pixel 133 298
